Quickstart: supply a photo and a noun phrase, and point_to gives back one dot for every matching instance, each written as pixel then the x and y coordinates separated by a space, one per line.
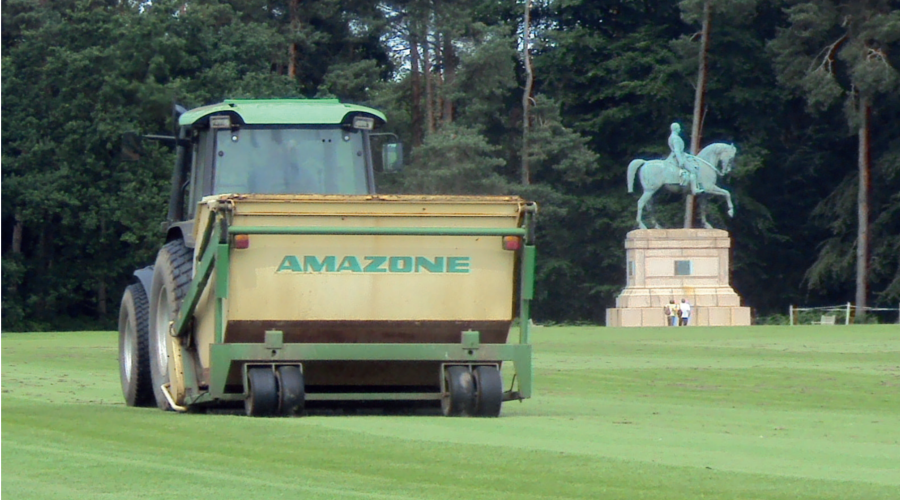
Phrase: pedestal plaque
pixel 675 264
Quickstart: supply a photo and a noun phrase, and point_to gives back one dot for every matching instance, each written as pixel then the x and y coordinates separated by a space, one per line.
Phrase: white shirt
pixel 685 309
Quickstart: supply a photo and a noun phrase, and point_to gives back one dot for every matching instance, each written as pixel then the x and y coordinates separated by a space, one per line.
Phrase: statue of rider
pixel 684 161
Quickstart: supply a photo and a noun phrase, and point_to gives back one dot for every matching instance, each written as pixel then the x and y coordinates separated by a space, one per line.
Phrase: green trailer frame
pixel 215 250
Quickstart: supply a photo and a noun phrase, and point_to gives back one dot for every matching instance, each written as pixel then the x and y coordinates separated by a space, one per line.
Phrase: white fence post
pixel 791 314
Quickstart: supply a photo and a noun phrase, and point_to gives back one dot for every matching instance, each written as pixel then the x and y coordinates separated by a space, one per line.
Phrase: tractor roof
pixel 281 112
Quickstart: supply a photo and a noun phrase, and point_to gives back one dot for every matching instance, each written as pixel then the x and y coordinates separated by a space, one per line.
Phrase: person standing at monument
pixel 685 309
pixel 676 144
pixel 671 310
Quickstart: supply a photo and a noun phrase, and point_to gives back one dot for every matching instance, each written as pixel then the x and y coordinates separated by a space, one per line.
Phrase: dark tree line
pixel 809 91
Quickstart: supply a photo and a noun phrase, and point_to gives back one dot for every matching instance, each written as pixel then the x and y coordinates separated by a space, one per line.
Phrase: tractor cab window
pixel 258 160
pixel 199 184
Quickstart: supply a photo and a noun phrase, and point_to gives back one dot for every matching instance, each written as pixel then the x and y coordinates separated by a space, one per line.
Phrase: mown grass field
pixel 730 413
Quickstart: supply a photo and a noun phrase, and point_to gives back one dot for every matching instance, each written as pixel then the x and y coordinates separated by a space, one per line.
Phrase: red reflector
pixel 512 242
pixel 241 241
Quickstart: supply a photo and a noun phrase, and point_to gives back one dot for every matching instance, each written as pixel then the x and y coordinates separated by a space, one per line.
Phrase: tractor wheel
pixel 459 395
pixel 488 391
pixel 134 359
pixel 262 398
pixel 291 390
pixel 171 280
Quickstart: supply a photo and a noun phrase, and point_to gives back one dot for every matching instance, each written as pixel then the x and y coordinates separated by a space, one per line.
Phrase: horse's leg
pixel 716 190
pixel 652 179
pixel 644 199
pixel 706 224
pixel 652 207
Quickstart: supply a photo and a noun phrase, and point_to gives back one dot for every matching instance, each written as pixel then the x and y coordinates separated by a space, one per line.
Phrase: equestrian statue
pixel 684 173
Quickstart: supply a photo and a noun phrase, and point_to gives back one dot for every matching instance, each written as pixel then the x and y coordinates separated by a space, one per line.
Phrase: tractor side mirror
pixel 133 144
pixel 392 157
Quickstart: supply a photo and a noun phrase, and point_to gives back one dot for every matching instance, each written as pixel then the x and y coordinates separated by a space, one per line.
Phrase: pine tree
pixel 838 52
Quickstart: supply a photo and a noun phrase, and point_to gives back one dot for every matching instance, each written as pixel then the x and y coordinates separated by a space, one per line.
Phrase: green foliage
pixel 558 155
pixel 730 11
pixel 79 74
pixel 350 81
pixel 840 52
pixel 828 41
pixel 486 78
pixel 455 160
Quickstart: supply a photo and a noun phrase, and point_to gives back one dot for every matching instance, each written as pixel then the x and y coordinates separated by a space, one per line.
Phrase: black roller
pixel 488 391
pixel 291 390
pixel 262 400
pixel 459 400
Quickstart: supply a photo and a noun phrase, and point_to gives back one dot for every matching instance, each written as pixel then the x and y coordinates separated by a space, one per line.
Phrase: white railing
pixel 831 315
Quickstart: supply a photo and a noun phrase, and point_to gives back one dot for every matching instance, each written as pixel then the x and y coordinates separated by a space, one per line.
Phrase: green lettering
pixel 457 264
pixel 401 264
pixel 436 266
pixel 375 264
pixel 313 265
pixel 290 263
pixel 349 263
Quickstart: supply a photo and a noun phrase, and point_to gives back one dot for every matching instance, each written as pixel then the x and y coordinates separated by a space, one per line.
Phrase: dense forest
pixel 548 99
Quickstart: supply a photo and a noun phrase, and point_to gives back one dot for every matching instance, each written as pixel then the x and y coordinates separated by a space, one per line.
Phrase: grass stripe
pixel 730 413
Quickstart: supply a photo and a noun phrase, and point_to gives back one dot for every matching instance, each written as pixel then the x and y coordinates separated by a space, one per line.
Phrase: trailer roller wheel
pixel 171 280
pixel 291 390
pixel 488 391
pixel 134 357
pixel 262 398
pixel 459 397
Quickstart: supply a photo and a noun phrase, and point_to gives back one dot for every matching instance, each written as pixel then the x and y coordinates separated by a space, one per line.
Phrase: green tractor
pixel 286 279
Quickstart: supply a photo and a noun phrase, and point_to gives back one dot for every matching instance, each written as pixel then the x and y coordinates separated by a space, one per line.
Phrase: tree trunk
pixel 526 96
pixel 429 85
pixel 450 63
pixel 415 81
pixel 438 80
pixel 18 229
pixel 17 236
pixel 101 299
pixel 45 265
pixel 862 239
pixel 293 50
pixel 101 285
pixel 699 105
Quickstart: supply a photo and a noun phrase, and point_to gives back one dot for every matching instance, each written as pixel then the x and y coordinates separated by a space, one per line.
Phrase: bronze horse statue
pixel 655 174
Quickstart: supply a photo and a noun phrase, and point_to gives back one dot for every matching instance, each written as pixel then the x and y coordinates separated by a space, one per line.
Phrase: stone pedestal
pixel 675 264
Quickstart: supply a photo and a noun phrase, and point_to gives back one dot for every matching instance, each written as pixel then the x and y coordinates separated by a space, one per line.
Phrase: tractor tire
pixel 134 357
pixel 488 391
pixel 459 398
pixel 171 280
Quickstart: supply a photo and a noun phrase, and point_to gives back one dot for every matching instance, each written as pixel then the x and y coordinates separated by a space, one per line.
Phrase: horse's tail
pixel 632 170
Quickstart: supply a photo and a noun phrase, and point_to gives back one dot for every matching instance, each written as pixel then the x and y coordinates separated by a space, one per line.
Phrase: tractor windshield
pixel 290 161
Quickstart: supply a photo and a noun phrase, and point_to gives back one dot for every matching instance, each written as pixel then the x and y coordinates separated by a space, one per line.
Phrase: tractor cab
pixel 276 146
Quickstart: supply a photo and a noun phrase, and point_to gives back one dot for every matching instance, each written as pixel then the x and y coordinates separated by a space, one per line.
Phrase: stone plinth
pixel 675 264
